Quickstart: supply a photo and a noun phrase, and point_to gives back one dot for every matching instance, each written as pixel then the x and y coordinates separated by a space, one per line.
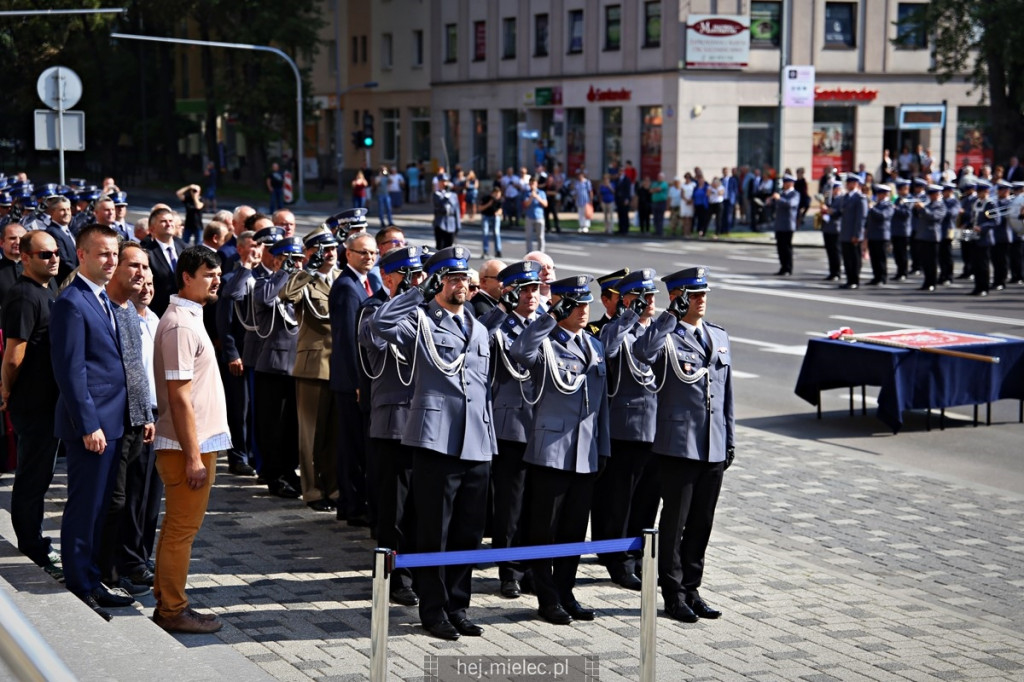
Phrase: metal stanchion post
pixel 648 604
pixel 383 564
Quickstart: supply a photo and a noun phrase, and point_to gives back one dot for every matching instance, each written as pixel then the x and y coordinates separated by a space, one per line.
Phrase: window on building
pixel 910 28
pixel 362 49
pixel 652 24
pixel 355 50
pixel 479 162
pixel 508 38
pixel 479 41
pixel 419 122
pixel 611 133
pixel 575 31
pixel 540 35
pixel 650 142
pixel 390 135
pixel 417 48
pixel 765 24
pixel 385 51
pixel 840 24
pixel 833 137
pixel 757 130
pixel 612 27
pixel 451 43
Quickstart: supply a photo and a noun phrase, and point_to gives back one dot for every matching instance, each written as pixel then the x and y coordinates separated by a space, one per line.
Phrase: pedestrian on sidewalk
pixel 490 212
pixel 534 204
pixel 275 186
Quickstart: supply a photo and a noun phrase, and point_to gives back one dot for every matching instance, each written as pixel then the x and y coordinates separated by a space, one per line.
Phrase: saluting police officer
pixel 609 298
pixel 695 436
pixel 928 234
pixel 878 231
pixel 627 486
pixel 450 426
pixel 391 393
pixel 570 432
pixel 512 391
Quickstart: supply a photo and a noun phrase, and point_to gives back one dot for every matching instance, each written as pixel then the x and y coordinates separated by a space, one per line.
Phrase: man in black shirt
pixel 29 393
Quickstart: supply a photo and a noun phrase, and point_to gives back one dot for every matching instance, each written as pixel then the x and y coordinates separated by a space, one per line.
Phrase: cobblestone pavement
pixel 828 566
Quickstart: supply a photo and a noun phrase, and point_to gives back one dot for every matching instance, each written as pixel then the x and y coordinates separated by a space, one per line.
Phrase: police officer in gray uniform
pixel 830 229
pixel 984 228
pixel 391 392
pixel 570 432
pixel 695 436
pixel 627 485
pixel 878 231
pixel 928 234
pixel 512 391
pixel 1002 238
pixel 949 229
pixel 901 229
pixel 851 213
pixel 450 427
pixel 787 209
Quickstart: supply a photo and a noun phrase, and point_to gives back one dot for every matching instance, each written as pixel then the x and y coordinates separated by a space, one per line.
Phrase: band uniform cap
pixel 287 246
pixel 77 183
pixel 321 236
pixel 517 274
pixel 450 260
pixel 405 259
pixel 347 219
pixel 919 182
pixel 1003 184
pixel 948 186
pixel 790 178
pixel 268 235
pixel 639 282
pixel 983 185
pixel 880 188
pixel 970 185
pixel 611 279
pixel 691 279
pixel 46 191
pixel 852 177
pixel 932 189
pixel 89 193
pixel 1017 185
pixel 119 198
pixel 902 182
pixel 5 199
pixel 574 288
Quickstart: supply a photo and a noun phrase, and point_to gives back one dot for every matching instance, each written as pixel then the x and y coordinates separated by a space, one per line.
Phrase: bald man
pixel 547 275
pixel 490 287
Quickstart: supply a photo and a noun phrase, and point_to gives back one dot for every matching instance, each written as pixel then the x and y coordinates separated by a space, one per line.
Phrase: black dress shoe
pixel 848 285
pixel 241 469
pixel 681 612
pixel 831 278
pixel 574 609
pixel 702 609
pixel 143 576
pixel 359 521
pixel 978 293
pixel 91 602
pixel 629 581
pixel 554 614
pixel 281 488
pixel 443 630
pixel 510 589
pixel 405 596
pixel 105 596
pixel 321 506
pixel 467 627
pixel 131 587
pixel 926 287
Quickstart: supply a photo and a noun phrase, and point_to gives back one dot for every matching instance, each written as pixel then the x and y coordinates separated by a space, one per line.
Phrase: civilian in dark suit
pixel 59 210
pixel 348 292
pixel 91 411
pixel 163 257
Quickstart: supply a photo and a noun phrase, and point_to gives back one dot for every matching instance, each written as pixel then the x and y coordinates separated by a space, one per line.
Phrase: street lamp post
pixel 259 48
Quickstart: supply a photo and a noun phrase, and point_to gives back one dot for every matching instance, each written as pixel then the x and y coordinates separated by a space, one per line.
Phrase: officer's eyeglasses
pixel 45 255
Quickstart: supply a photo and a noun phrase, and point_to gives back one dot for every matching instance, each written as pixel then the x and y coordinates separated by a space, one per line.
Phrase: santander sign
pixel 718 27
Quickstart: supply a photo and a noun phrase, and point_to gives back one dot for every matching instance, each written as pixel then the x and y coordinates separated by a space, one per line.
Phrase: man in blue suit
pixel 91 411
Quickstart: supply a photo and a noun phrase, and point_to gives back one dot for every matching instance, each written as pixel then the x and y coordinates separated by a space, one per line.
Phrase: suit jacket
pixel 229 329
pixel 309 295
pixel 66 249
pixel 632 406
pixel 389 372
pixel 163 277
pixel 450 415
pixel 346 295
pixel 695 420
pixel 87 365
pixel 570 431
pixel 228 254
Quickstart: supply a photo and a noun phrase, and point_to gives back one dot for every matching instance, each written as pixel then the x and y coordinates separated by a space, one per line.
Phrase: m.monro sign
pixel 717 41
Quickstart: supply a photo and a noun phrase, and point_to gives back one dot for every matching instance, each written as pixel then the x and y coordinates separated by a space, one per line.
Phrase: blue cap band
pixel 451 263
pixel 394 266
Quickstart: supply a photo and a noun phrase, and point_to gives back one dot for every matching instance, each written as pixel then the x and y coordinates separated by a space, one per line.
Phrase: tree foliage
pixel 980 42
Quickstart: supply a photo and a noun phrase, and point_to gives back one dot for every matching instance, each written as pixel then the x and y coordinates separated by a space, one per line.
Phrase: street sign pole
pixel 65 92
pixel 60 124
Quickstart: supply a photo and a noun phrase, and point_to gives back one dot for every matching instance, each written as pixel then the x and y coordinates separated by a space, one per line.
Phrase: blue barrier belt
pixel 485 556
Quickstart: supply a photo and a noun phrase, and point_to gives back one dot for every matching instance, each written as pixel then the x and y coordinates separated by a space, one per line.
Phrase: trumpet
pixel 1002 211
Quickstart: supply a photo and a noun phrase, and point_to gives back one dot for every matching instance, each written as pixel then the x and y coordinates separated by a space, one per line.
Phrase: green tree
pixel 980 42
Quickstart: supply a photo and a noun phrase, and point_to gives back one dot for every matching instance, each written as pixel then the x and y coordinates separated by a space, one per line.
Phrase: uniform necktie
pixel 172 258
pixel 366 285
pixel 462 326
pixel 702 341
pixel 105 302
pixel 581 344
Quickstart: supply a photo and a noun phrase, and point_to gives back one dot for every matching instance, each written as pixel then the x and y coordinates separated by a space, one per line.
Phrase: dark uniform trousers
pixel 396 515
pixel 451 494
pixel 945 260
pixel 236 393
pixel 851 262
pixel 1017 258
pixel 1000 254
pixel 899 256
pixel 928 259
pixel 277 426
pixel 627 487
pixel 37 456
pixel 832 253
pixel 689 492
pixel 784 248
pixel 508 479
pixel 967 253
pixel 351 456
pixel 559 509
pixel 980 266
pixel 879 266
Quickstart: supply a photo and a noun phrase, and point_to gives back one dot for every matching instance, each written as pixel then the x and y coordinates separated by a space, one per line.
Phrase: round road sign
pixel 59 87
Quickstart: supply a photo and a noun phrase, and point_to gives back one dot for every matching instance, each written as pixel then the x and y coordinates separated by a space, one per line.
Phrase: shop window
pixel 840 24
pixel 451 43
pixel 419 121
pixel 650 142
pixel 575 31
pixel 757 130
pixel 833 136
pixel 508 38
pixel 765 24
pixel 612 27
pixel 910 28
pixel 652 24
pixel 540 35
pixel 973 138
pixel 479 41
pixel 575 140
pixel 509 138
pixel 611 133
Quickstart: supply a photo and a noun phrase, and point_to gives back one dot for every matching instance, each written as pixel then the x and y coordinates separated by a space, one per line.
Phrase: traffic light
pixel 367 137
pixel 357 140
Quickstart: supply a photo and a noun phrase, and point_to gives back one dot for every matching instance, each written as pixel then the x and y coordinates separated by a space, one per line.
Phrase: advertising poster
pixel 833 148
pixel 717 41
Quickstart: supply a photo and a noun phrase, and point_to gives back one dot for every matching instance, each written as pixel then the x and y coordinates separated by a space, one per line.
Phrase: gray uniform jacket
pixel 901 225
pixel 633 406
pixel 276 322
pixel 787 206
pixel 570 430
pixel 928 227
pixel 450 415
pixel 949 222
pixel 695 420
pixel 878 226
pixel 239 289
pixel 851 213
pixel 513 415
pixel 390 375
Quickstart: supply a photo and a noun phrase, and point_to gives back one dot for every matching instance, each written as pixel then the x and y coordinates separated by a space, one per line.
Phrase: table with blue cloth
pixel 912 379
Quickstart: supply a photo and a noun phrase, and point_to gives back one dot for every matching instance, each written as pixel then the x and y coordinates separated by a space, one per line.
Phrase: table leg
pixel 851 401
pixel 928 419
pixel 863 400
pixel 819 404
pixel 942 419
pixel 988 414
pixel 975 414
pixel 1020 412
